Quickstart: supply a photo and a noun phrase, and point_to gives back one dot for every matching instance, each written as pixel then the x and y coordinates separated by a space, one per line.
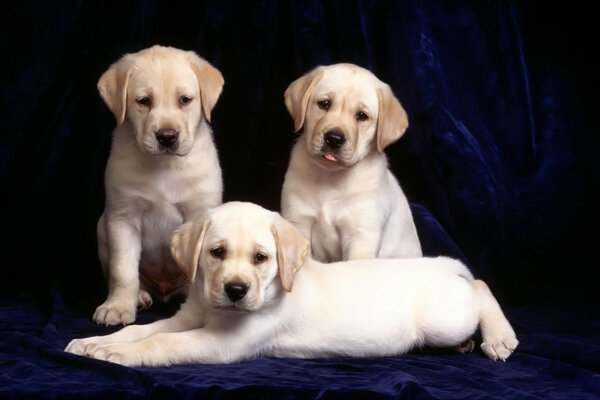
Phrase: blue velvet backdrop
pixel 499 164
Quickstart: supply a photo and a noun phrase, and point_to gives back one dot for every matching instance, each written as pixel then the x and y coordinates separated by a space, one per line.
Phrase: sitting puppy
pixel 338 189
pixel 163 170
pixel 256 293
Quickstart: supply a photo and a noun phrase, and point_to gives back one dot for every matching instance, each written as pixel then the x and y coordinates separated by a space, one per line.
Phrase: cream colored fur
pixel 151 189
pixel 298 307
pixel 346 200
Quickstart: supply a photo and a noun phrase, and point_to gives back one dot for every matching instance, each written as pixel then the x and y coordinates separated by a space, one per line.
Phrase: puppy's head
pixel 236 253
pixel 346 112
pixel 163 93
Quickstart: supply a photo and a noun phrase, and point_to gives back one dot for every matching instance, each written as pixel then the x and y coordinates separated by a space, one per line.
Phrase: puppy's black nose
pixel 236 290
pixel 334 139
pixel 166 137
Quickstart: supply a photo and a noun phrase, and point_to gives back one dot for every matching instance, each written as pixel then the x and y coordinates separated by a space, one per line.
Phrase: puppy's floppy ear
pixel 392 120
pixel 210 81
pixel 112 86
pixel 186 244
pixel 292 250
pixel 298 93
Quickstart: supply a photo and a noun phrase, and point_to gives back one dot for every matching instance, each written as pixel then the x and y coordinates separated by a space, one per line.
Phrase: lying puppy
pixel 244 260
pixel 163 170
pixel 338 189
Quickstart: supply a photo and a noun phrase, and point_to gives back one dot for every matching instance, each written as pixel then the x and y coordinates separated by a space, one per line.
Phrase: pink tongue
pixel 330 157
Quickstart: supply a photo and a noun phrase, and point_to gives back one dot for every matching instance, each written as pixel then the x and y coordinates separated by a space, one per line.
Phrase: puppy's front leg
pixel 360 243
pixel 182 321
pixel 124 245
pixel 198 346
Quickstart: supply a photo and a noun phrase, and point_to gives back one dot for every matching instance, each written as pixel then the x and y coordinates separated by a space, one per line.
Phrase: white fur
pixel 353 208
pixel 150 190
pixel 359 308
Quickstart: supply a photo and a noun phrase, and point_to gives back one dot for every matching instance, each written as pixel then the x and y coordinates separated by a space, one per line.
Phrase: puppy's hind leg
pixel 465 347
pixel 499 339
pixel 144 298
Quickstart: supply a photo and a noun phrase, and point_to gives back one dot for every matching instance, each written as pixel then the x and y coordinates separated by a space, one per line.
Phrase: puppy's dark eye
pixel 260 258
pixel 324 104
pixel 362 116
pixel 184 100
pixel 218 252
pixel 144 101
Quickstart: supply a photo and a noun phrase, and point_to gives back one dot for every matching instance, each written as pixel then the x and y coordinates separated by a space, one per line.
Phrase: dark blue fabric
pixel 499 164
pixel 558 358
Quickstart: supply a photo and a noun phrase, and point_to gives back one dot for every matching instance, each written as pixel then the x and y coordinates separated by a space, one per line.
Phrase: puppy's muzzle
pixel 334 139
pixel 167 137
pixel 236 291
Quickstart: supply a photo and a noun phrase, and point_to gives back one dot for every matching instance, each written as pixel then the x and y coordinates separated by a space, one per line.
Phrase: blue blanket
pixel 558 358
pixel 499 163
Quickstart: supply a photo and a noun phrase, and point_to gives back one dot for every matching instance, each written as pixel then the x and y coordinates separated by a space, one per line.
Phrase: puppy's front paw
pixel 500 347
pixel 466 347
pixel 115 312
pixel 82 346
pixel 117 353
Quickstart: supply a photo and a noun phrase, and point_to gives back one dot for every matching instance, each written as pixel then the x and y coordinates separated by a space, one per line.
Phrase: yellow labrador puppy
pixel 163 170
pixel 338 189
pixel 255 292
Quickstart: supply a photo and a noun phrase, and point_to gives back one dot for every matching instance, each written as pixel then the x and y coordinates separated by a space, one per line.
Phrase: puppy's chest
pixel 164 207
pixel 161 201
pixel 331 212
pixel 168 188
pixel 160 187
